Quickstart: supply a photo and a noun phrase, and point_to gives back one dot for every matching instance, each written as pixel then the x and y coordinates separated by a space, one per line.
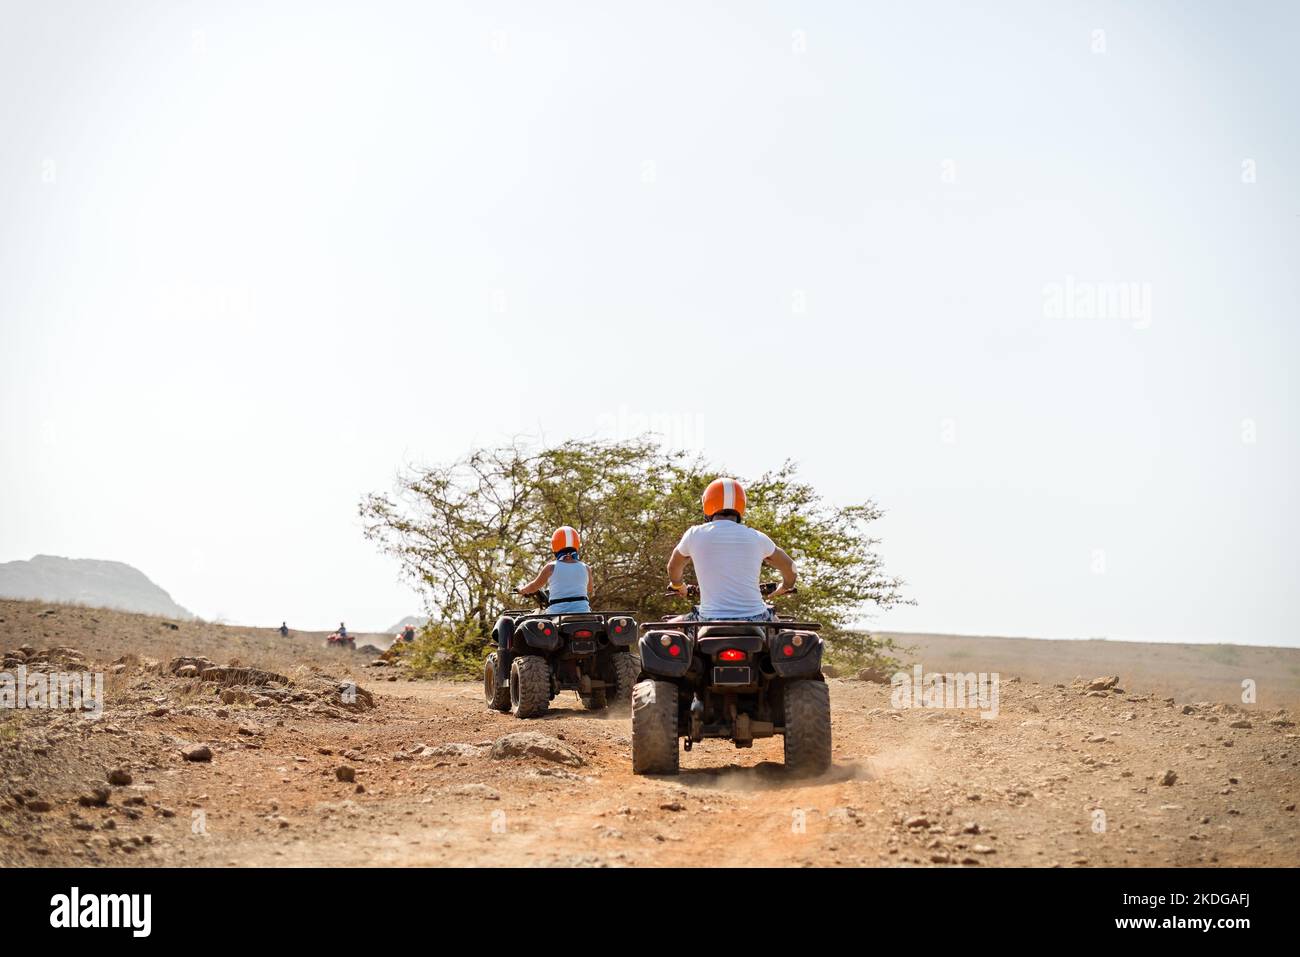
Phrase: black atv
pixel 590 653
pixel 730 679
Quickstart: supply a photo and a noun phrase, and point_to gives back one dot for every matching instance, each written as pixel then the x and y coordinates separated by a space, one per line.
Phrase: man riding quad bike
pixel 564 646
pixel 341 639
pixel 731 668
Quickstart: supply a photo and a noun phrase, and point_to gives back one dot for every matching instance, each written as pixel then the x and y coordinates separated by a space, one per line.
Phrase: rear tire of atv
pixel 495 694
pixel 626 670
pixel 530 686
pixel 807 726
pixel 654 728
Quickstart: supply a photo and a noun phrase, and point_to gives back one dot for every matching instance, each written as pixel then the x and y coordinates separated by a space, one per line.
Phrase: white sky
pixel 254 257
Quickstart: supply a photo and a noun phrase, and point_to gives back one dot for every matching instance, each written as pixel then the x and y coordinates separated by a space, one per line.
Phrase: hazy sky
pixel 1026 275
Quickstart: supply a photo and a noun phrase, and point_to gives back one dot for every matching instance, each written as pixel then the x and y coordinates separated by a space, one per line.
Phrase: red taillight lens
pixel 731 654
pixel 787 650
pixel 674 650
pixel 582 634
pixel 546 631
pixel 618 629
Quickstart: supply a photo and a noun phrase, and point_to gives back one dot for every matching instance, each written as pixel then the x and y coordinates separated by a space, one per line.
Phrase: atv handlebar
pixel 542 596
pixel 765 589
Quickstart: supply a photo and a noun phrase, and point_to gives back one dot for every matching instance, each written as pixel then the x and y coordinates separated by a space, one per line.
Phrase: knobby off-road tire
pixel 496 694
pixel 530 686
pixel 807 726
pixel 654 728
pixel 626 670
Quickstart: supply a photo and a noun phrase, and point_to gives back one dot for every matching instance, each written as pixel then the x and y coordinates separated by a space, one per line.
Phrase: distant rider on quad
pixel 343 631
pixel 569 579
pixel 728 557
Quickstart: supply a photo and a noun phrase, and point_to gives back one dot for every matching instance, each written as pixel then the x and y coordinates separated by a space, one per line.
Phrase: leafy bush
pixel 446 648
pixel 469 533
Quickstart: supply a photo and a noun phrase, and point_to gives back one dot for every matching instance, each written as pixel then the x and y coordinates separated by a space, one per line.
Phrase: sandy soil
pixel 1059 777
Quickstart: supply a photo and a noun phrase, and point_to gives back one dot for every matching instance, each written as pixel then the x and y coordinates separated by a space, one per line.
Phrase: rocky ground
pixel 201 760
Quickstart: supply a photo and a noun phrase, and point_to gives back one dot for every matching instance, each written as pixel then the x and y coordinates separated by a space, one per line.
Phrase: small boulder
pixel 119 777
pixel 97 797
pixel 197 752
pixel 531 744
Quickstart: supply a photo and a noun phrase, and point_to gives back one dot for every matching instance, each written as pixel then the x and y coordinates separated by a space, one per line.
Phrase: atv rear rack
pixel 601 616
pixel 786 624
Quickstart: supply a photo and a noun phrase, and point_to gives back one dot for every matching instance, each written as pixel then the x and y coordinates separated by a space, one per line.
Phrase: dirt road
pixel 1059 777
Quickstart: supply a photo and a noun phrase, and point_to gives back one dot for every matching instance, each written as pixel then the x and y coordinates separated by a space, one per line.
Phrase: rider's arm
pixel 676 567
pixel 536 584
pixel 785 565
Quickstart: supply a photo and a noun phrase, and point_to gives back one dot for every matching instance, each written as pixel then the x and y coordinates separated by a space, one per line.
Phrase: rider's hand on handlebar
pixel 681 591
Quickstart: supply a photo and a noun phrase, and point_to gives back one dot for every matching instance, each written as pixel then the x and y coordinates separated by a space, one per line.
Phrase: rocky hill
pixel 86 581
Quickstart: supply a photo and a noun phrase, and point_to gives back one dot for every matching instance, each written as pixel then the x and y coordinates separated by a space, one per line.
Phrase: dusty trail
pixel 908 788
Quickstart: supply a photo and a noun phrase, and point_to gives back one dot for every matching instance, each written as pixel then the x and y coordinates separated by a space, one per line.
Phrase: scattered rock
pixel 197 752
pixel 345 772
pixel 242 676
pixel 524 744
pixel 1168 778
pixel 454 750
pixel 477 790
pixel 119 777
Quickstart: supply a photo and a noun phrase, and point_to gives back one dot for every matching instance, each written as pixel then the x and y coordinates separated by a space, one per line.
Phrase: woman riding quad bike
pixel 564 646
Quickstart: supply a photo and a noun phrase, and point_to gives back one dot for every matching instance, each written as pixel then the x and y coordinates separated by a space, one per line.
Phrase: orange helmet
pixel 566 536
pixel 724 494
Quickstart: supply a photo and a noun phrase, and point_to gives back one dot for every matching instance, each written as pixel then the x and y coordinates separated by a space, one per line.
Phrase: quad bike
pixel 590 653
pixel 739 680
pixel 341 641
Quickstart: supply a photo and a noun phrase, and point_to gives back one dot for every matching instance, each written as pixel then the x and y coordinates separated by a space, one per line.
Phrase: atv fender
pixel 620 638
pixel 533 631
pixel 655 657
pixel 806 659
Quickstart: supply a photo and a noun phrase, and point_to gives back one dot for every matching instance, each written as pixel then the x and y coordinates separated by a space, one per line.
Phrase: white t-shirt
pixel 728 558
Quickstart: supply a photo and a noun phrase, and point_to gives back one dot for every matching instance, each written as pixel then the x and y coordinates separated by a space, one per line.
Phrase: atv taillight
pixel 582 634
pixel 618 629
pixel 546 631
pixel 732 654
pixel 787 650
pixel 675 650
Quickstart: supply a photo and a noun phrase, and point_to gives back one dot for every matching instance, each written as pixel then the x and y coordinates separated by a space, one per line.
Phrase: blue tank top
pixel 569 580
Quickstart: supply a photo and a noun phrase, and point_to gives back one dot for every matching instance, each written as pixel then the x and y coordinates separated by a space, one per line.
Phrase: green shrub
pixel 447 649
